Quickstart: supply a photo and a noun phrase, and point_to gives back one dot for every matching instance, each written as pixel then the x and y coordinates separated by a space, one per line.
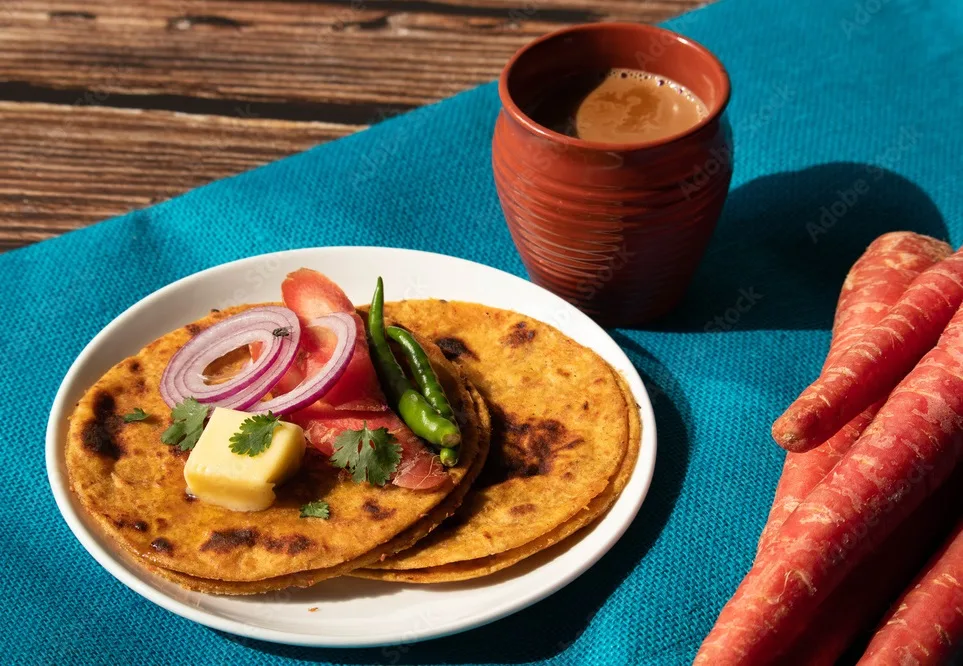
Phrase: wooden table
pixel 111 105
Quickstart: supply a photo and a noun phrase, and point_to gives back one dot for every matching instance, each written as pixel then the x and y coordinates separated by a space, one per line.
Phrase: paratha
pixel 133 485
pixel 564 430
pixel 404 540
pixel 467 569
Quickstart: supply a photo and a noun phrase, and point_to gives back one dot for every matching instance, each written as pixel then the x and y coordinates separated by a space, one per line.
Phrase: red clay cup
pixel 616 229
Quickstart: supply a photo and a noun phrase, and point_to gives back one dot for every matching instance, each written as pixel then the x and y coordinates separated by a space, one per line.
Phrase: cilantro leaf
pixel 188 424
pixel 137 415
pixel 370 455
pixel 255 434
pixel 317 509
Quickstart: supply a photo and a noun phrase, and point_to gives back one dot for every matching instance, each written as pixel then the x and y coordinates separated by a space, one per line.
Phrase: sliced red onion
pixel 184 375
pixel 316 386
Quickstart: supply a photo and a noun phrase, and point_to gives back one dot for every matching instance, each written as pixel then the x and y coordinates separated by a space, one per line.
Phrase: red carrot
pixel 877 281
pixel 863 598
pixel 926 624
pixel 872 366
pixel 874 283
pixel 910 448
pixel 803 471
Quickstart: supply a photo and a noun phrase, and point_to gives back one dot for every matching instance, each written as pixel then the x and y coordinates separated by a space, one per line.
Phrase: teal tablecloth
pixel 847 123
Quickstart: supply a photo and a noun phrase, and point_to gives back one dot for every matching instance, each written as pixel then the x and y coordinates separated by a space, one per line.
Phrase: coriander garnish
pixel 370 455
pixel 137 415
pixel 316 509
pixel 255 434
pixel 188 424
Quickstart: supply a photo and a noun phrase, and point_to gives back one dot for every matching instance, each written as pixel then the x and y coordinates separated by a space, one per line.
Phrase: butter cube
pixel 239 482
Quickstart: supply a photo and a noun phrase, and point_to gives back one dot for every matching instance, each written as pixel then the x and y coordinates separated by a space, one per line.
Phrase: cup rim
pixel 539 130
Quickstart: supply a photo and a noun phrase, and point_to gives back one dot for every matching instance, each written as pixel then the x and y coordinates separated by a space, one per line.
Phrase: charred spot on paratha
pixel 193 329
pixel 224 541
pixel 134 365
pixel 520 335
pixel 376 511
pixel 100 433
pixel 125 522
pixel 529 448
pixel 454 348
pixel 162 545
pixel 522 509
pixel 292 544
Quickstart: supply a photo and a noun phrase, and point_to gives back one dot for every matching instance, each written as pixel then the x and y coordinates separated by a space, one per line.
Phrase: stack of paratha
pixel 565 439
pixel 551 435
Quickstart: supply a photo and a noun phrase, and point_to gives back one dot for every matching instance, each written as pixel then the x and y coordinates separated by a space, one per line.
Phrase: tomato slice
pixel 310 295
pixel 419 468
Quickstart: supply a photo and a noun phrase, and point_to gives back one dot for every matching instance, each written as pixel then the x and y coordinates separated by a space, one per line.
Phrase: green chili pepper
pixel 449 457
pixel 413 408
pixel 424 374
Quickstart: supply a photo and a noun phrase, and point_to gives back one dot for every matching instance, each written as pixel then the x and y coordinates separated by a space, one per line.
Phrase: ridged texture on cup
pixel 619 234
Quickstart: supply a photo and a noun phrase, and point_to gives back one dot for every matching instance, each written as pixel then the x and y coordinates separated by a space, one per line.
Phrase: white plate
pixel 349 612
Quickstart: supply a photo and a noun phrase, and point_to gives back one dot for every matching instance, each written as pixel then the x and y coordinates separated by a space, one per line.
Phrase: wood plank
pixel 245 70
pixel 64 167
pixel 358 54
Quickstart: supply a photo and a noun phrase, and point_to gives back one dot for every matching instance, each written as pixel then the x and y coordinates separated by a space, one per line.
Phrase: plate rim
pixel 60 485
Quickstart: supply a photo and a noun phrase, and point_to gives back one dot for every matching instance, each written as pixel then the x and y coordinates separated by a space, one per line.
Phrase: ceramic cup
pixel 615 229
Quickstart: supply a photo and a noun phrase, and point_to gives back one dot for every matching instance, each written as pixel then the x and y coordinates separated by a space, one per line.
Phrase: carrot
pixel 874 284
pixel 926 624
pixel 863 598
pixel 802 471
pixel 907 451
pixel 872 366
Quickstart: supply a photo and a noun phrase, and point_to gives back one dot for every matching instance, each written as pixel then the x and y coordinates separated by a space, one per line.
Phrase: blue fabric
pixel 827 94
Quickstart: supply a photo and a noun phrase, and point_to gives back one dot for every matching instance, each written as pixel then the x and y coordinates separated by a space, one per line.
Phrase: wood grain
pixel 64 167
pixel 109 105
pixel 359 53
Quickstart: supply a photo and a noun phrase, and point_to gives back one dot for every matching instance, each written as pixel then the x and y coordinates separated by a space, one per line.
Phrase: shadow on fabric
pixel 551 626
pixel 785 243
